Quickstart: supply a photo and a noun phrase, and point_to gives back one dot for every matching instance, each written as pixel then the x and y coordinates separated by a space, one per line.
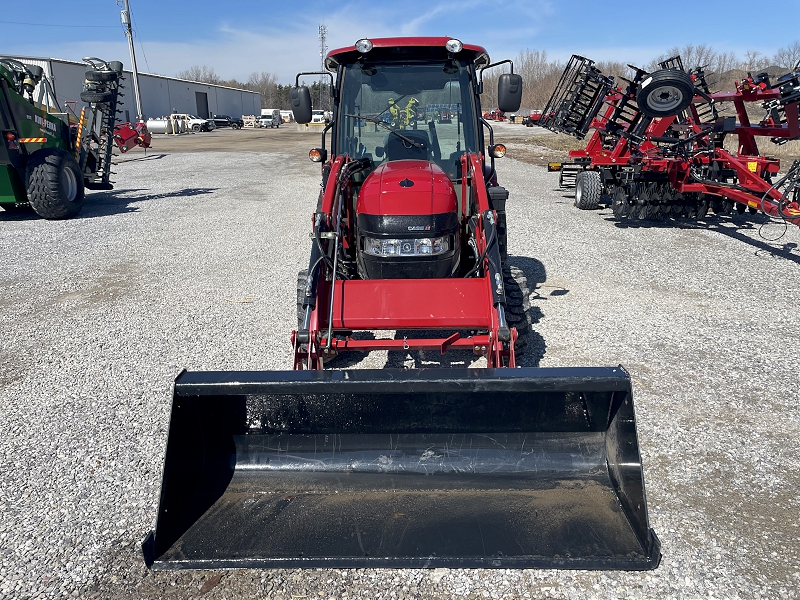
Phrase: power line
pixel 59 25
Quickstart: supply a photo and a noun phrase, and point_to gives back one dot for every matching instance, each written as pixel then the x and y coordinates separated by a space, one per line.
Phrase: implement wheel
pixel 54 184
pixel 665 93
pixel 588 189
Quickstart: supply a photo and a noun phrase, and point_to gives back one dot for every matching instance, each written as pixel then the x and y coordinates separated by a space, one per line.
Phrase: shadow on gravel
pixel 18 213
pixel 103 204
pixel 730 227
pixel 140 158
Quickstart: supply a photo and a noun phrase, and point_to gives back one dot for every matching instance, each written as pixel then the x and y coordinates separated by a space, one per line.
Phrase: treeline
pixel 273 94
pixel 540 74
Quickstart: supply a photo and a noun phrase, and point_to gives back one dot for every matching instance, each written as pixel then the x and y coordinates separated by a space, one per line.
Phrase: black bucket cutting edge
pixel 462 468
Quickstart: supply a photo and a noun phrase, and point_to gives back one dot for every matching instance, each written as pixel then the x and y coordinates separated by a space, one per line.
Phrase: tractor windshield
pixel 391 111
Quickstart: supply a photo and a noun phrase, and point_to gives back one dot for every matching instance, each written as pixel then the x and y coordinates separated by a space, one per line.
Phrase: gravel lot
pixel 191 263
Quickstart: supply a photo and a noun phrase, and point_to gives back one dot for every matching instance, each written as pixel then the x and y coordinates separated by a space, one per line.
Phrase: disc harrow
pixel 659 147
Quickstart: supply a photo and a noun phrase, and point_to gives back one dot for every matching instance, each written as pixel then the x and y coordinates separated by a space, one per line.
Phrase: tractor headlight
pixel 454 46
pixel 363 46
pixel 407 247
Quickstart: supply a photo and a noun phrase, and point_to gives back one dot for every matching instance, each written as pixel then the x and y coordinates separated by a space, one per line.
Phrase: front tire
pixel 301 296
pixel 518 306
pixel 54 184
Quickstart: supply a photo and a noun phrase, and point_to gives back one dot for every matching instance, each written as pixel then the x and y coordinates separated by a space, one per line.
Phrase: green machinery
pixel 47 161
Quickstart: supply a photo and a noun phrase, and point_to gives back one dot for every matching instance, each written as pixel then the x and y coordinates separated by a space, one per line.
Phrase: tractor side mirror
pixel 300 98
pixel 509 92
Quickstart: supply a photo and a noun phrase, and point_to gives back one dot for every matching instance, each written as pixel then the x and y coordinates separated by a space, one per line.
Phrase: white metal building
pixel 161 95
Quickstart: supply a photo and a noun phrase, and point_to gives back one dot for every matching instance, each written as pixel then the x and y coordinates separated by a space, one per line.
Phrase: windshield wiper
pixel 379 121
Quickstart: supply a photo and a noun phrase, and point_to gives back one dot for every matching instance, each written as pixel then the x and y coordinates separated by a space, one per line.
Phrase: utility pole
pixel 125 17
pixel 323 50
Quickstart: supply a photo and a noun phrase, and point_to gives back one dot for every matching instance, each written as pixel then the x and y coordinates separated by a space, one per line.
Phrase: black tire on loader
pixel 101 76
pixel 665 93
pixel 97 96
pixel 518 306
pixel 54 184
pixel 588 190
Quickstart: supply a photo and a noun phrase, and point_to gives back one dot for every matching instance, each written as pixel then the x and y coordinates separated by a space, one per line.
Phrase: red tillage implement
pixel 657 149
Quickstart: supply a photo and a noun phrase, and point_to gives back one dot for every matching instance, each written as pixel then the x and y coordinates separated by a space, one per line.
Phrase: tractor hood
pixel 407 187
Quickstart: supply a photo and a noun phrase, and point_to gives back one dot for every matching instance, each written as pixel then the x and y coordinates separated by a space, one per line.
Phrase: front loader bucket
pixel 511 468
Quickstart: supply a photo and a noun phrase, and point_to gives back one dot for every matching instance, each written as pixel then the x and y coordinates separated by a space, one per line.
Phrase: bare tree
pixel 265 84
pixel 615 69
pixel 754 61
pixel 788 57
pixel 535 69
pixel 202 74
pixel 725 62
pixel 692 57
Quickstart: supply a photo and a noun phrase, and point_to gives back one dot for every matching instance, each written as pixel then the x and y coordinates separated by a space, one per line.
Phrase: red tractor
pixel 480 467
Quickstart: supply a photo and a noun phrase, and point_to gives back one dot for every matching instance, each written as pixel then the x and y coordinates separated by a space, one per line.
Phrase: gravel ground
pixel 191 263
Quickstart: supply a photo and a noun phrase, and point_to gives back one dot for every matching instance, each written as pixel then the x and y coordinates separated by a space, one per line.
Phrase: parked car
pixel 270 117
pixel 196 123
pixel 269 121
pixel 179 123
pixel 318 116
pixel 226 121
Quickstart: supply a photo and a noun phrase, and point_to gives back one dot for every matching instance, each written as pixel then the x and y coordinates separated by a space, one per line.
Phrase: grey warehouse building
pixel 161 95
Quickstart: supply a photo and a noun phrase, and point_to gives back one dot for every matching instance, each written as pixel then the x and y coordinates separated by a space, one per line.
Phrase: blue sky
pixel 239 37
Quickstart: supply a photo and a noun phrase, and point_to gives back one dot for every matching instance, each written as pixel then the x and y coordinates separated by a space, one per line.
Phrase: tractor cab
pixel 405 98
pixel 381 104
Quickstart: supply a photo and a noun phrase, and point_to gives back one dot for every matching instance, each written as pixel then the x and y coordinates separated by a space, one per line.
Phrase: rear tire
pixel 665 93
pixel 518 306
pixel 54 184
pixel 588 190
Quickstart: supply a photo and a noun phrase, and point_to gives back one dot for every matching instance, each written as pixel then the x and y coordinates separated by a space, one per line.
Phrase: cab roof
pixel 401 48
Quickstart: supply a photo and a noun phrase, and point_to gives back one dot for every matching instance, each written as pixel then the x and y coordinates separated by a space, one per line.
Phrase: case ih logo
pixel 419 227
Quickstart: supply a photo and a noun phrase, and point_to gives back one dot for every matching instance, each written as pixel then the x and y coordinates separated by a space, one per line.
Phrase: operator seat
pixel 396 147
